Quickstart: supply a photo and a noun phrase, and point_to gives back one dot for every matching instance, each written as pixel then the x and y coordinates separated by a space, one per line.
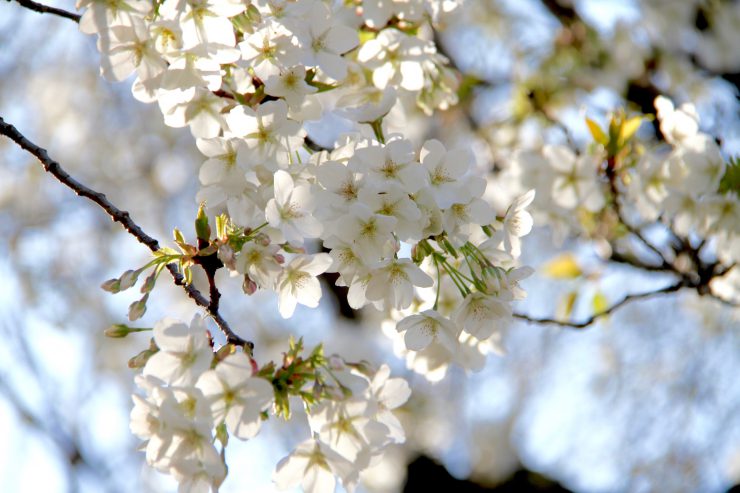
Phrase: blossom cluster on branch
pixel 407 230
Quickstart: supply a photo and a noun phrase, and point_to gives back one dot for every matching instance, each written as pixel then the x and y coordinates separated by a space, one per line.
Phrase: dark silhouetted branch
pixel 585 323
pixel 45 9
pixel 123 217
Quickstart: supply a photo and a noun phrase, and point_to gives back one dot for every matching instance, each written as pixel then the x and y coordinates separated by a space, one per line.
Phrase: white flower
pixel 188 447
pixel 366 104
pixel 348 428
pixel 236 398
pixel 204 22
pixel 290 84
pixel 370 234
pixel 196 107
pixel 290 210
pixel 266 131
pixel 323 41
pixel 259 262
pixel 145 421
pixel 395 59
pixel 676 125
pixel 576 182
pixel 223 175
pixel 478 314
pixel 314 466
pixel 340 188
pixel 696 165
pixel 393 201
pixel 130 48
pixel 422 329
pixel 298 283
pixel 392 163
pixel 101 15
pixel 345 260
pixel 389 394
pixel 394 281
pixel 444 169
pixel 269 50
pixel 459 218
pixel 184 351
pixel 516 223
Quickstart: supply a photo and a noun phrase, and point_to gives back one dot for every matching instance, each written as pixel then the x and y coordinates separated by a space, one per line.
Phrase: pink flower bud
pixel 249 286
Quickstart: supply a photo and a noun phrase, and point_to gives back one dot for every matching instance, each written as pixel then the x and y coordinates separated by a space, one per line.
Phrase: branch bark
pixel 672 288
pixel 122 217
pixel 45 9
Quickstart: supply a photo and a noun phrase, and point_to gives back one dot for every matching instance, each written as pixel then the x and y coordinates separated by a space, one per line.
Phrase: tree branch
pixel 123 217
pixel 45 9
pixel 627 299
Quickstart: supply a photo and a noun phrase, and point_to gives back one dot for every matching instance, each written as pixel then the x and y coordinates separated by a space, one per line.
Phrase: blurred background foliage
pixel 645 400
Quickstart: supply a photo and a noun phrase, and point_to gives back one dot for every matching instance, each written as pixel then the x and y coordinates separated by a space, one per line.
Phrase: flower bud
pixel 249 286
pixel 227 256
pixel 149 282
pixel 336 363
pixel 128 279
pixel 111 285
pixel 202 228
pixel 140 360
pixel 137 309
pixel 117 331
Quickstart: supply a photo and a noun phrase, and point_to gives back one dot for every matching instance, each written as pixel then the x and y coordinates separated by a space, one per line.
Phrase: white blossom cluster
pixel 407 229
pixel 678 183
pixel 189 403
pixel 348 434
pixel 245 76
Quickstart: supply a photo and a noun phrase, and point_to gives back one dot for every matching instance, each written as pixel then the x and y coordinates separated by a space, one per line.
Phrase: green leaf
pixel 629 128
pixel 599 303
pixel 222 435
pixel 179 238
pixel 596 132
pixel 563 266
pixel 730 182
pixel 222 222
pixel 166 252
pixel 566 305
pixel 202 228
pixel 322 87
pixel 367 36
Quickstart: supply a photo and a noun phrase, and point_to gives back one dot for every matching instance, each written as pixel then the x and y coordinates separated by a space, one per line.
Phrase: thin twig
pixel 45 9
pixel 120 216
pixel 627 299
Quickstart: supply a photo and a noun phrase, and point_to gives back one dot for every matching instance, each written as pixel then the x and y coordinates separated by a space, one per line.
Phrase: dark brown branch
pixel 45 9
pixel 565 14
pixel 123 217
pixel 637 263
pixel 627 299
pixel 611 174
